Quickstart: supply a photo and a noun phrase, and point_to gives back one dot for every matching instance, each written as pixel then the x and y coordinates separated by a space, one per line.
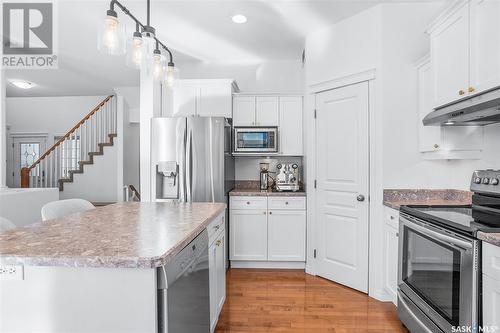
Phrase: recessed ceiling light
pixel 239 19
pixel 23 84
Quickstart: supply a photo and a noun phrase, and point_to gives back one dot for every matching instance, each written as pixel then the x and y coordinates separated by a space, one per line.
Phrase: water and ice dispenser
pixel 167 180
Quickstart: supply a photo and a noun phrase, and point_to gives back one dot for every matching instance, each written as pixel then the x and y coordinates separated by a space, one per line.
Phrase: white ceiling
pixel 197 31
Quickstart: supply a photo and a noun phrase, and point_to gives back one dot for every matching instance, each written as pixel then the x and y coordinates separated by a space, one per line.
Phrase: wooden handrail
pixel 74 128
pixel 26 170
pixel 133 189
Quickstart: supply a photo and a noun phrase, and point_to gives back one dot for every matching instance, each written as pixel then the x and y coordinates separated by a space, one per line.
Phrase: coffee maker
pixel 264 175
pixel 287 178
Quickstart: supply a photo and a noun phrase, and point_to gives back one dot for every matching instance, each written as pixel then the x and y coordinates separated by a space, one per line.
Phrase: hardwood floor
pixel 292 301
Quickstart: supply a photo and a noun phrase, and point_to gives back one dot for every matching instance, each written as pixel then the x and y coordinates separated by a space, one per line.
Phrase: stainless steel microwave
pixel 255 140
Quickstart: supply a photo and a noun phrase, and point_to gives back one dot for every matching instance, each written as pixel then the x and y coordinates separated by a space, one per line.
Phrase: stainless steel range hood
pixel 478 110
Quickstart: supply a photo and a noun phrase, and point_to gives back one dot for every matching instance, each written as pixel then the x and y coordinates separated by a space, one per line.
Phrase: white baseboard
pixel 269 264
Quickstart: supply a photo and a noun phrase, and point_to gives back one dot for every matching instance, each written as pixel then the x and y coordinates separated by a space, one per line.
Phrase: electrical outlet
pixel 11 272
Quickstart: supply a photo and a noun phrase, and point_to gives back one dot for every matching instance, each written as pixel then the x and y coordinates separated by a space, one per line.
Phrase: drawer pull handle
pixel 218 242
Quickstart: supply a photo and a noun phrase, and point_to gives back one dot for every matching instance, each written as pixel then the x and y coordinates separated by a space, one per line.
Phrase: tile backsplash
pixel 247 167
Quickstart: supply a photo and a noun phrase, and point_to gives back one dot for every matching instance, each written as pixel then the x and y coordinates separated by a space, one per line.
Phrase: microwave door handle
pixel 455 242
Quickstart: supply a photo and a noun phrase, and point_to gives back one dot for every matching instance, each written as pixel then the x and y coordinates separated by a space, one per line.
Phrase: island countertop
pixel 122 235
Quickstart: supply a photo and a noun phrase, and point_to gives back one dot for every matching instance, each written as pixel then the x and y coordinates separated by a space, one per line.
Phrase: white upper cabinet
pixel 267 111
pixel 203 98
pixel 465 51
pixel 290 131
pixel 243 111
pixel 450 56
pixel 443 142
pixel 485 44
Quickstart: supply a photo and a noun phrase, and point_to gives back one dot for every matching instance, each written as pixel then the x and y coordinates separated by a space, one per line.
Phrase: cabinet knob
pixel 218 242
pixel 270 213
pixel 217 227
pixel 461 92
pixel 286 203
pixel 264 213
pixel 436 146
pixel 472 89
pixel 392 217
pixel 248 202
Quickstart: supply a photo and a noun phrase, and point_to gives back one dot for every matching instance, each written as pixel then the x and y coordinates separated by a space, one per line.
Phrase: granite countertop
pixel 492 238
pixel 255 192
pixel 122 235
pixel 394 198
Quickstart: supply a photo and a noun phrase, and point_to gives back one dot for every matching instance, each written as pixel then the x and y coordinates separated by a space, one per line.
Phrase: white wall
pixel 274 76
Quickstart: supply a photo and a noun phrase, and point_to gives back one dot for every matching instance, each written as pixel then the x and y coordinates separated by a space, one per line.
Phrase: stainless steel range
pixel 439 286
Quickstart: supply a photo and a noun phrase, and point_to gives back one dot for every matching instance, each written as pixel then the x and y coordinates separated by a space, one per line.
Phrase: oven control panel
pixel 485 181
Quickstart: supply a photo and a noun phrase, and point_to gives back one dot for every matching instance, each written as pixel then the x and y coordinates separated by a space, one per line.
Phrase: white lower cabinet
pixel 269 237
pixel 391 241
pixel 491 285
pixel 217 269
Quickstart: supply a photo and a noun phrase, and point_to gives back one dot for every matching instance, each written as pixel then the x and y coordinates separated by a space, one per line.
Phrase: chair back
pixel 56 209
pixel 6 224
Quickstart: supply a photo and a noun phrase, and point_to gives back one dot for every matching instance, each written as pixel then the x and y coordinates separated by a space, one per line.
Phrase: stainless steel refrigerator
pixel 192 159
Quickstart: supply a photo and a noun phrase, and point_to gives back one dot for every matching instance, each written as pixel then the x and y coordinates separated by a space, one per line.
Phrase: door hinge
pixel 315 184
pixel 314 254
pixel 315 115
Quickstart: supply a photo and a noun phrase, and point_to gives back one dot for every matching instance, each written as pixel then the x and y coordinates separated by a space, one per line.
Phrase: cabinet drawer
pixel 215 227
pixel 491 260
pixel 286 203
pixel 249 203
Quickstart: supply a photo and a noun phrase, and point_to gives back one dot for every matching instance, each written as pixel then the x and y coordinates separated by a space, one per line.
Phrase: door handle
pixel 360 197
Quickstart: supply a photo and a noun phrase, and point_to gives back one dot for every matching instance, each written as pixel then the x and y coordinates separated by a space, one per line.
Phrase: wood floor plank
pixel 292 301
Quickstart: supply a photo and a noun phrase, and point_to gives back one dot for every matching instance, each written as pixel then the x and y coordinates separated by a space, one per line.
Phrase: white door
pixel 25 151
pixel 248 239
pixel 485 44
pixel 243 111
pixel 342 166
pixel 266 112
pixel 450 57
pixel 290 132
pixel 286 235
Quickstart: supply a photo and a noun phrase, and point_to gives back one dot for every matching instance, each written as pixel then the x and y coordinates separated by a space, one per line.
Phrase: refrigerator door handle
pixel 188 165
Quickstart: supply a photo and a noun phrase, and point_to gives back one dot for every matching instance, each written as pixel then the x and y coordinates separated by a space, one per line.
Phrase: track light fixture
pixel 111 41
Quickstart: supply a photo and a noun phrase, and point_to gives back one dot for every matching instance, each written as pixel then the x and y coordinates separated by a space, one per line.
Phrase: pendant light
pixel 142 48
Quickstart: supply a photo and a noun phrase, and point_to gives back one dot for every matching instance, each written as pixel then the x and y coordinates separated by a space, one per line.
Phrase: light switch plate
pixel 11 272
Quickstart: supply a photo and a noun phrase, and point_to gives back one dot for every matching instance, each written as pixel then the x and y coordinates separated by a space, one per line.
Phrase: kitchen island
pixel 94 271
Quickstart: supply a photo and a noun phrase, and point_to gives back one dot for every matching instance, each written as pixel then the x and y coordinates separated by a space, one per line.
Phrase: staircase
pixel 75 149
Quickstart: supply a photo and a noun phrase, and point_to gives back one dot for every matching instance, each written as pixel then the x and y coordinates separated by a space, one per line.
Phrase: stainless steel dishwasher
pixel 183 290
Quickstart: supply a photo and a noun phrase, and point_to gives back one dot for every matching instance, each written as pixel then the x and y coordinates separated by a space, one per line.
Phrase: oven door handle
pixel 454 241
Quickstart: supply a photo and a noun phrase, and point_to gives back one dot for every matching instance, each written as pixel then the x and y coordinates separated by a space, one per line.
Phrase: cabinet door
pixel 248 239
pixel 266 113
pixel 243 111
pixel 215 100
pixel 491 302
pixel 429 136
pixel 220 267
pixel 212 272
pixel 185 100
pixel 485 44
pixel 450 57
pixel 290 131
pixel 287 235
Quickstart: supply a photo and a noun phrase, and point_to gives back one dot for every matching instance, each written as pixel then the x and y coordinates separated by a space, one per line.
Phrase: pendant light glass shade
pixel 110 38
pixel 135 51
pixel 158 64
pixel 171 75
